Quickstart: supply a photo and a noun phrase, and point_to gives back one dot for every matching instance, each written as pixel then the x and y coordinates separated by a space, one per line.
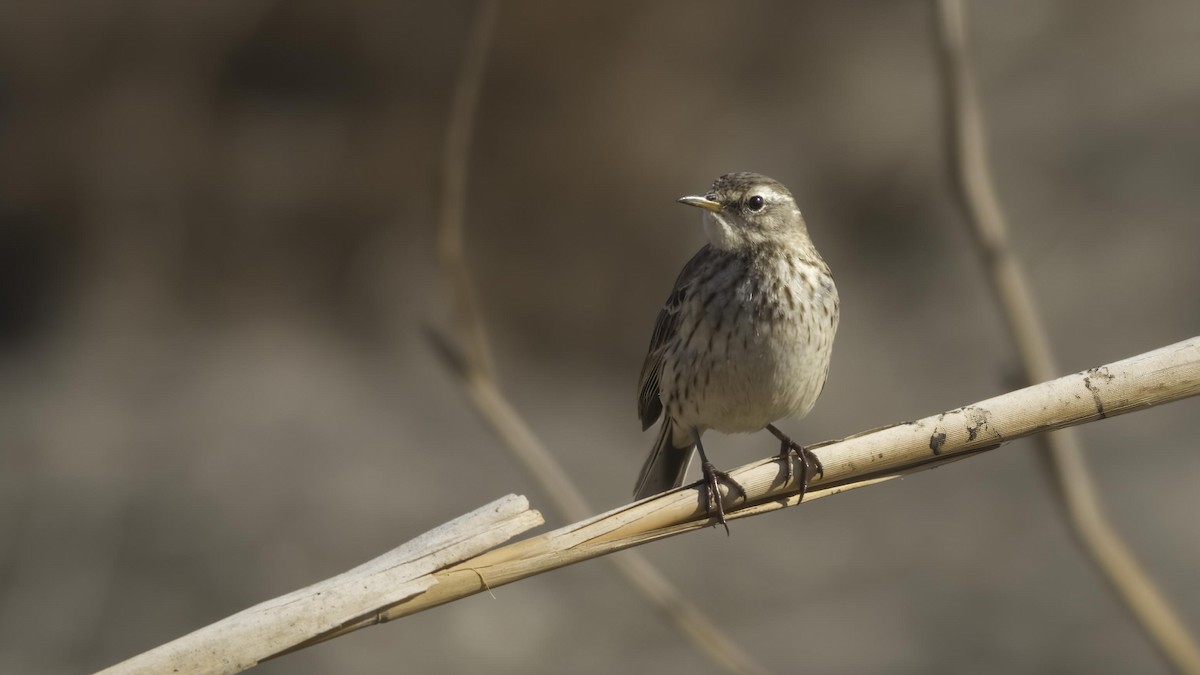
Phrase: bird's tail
pixel 668 461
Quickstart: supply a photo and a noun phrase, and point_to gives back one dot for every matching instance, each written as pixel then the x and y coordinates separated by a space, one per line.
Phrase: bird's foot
pixel 810 464
pixel 712 478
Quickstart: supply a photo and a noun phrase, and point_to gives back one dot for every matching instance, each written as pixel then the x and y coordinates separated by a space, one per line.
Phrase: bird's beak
pixel 703 202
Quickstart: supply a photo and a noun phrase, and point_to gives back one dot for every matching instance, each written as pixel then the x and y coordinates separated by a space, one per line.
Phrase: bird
pixel 743 340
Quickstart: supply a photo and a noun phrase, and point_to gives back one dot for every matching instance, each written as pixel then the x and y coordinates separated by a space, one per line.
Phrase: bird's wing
pixel 649 404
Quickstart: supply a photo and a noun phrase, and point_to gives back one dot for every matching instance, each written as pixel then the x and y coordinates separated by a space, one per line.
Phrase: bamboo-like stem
pixel 479 375
pixel 1161 376
pixel 972 172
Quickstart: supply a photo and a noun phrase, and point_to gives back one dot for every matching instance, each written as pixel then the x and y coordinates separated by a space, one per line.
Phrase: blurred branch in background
pixel 478 372
pixel 972 177
pixel 455 169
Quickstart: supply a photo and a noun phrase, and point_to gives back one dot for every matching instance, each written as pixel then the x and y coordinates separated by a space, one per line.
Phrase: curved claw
pixel 712 478
pixel 810 464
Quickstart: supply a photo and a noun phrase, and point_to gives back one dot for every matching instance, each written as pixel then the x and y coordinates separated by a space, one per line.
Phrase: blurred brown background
pixel 217 255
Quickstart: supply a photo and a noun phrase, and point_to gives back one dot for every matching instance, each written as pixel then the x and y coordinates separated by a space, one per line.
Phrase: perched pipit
pixel 743 340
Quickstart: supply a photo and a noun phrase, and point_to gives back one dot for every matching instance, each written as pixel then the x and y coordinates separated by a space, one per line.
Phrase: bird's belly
pixel 777 376
pixel 754 378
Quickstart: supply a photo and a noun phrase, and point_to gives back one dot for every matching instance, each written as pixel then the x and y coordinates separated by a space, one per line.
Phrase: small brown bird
pixel 743 340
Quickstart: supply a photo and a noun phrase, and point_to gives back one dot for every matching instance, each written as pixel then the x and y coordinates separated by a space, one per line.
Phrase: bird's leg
pixel 810 464
pixel 712 476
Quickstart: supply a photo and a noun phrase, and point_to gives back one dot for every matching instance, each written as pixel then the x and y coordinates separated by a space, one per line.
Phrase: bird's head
pixel 747 209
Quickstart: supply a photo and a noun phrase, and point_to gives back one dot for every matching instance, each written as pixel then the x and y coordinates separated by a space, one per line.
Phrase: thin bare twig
pixel 480 378
pixel 972 175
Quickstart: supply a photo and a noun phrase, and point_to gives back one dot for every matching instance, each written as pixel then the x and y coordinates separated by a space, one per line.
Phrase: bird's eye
pixel 755 203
